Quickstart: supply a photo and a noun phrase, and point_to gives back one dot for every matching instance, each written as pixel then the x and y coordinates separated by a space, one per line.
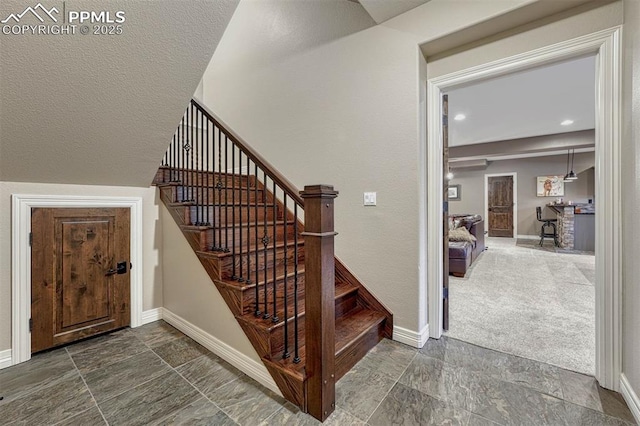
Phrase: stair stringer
pixel 291 382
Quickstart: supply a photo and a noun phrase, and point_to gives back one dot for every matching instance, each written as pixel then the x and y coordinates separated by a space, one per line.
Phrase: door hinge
pixel 30 239
pixel 30 325
pixel 445 292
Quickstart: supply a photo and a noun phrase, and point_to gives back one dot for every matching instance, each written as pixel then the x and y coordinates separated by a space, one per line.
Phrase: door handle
pixel 121 268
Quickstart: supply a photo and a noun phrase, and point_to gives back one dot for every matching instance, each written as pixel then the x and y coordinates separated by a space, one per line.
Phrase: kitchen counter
pixel 576 225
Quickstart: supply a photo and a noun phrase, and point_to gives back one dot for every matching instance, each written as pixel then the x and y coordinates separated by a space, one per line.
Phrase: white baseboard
pixel 151 315
pixel 528 237
pixel 254 369
pixel 5 359
pixel 630 396
pixel 410 337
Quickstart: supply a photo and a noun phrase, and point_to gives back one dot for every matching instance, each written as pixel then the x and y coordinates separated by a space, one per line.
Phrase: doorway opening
pixel 606 46
pixel 516 295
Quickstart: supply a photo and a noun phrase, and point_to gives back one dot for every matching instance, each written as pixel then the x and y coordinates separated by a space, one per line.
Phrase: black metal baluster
pixel 215 216
pixel 201 160
pixel 248 222
pixel 255 236
pixel 185 166
pixel 241 278
pixel 190 153
pixel 197 171
pixel 179 154
pixel 296 355
pixel 207 187
pixel 174 175
pixel 181 178
pixel 233 210
pixel 226 194
pixel 265 242
pixel 219 188
pixel 275 318
pixel 286 353
pixel 200 201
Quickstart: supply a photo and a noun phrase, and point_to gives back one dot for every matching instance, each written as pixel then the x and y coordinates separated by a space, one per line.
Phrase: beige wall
pixel 343 111
pixel 151 248
pixel 631 197
pixel 192 295
pixel 473 186
pixel 575 26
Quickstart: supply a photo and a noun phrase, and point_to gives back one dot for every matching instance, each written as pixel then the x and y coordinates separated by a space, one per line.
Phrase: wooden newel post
pixel 319 299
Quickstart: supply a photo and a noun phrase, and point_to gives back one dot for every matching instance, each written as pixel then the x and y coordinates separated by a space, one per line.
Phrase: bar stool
pixel 547 223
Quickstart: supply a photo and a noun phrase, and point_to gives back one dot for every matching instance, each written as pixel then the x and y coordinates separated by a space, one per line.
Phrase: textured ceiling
pixel 101 109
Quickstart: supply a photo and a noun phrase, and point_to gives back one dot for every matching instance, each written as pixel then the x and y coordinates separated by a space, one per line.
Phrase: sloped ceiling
pixel 101 109
pixel 383 10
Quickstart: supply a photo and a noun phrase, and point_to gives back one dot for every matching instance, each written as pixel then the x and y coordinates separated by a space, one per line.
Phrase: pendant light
pixel 572 176
pixel 566 176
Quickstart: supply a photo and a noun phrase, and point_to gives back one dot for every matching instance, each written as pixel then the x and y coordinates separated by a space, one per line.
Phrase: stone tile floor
pixel 154 375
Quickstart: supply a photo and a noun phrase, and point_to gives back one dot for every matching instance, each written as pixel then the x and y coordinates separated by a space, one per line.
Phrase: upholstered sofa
pixel 463 253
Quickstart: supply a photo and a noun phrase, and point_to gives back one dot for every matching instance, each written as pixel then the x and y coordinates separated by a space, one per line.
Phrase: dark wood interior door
pixel 500 205
pixel 77 288
pixel 445 212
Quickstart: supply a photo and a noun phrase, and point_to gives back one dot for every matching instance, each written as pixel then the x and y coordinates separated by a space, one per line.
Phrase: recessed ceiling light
pixel 459 117
pixel 567 123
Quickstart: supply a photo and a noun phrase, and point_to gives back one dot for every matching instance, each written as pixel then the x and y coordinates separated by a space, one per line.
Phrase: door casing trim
pixel 514 208
pixel 606 44
pixel 21 259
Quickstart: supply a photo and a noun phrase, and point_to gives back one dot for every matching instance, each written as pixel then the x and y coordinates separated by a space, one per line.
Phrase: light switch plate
pixel 369 198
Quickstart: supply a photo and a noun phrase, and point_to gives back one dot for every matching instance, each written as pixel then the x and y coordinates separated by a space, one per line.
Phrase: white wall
pixel 151 249
pixel 473 190
pixel 631 198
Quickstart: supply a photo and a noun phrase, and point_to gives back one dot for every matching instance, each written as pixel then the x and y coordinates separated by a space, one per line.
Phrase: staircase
pixel 309 319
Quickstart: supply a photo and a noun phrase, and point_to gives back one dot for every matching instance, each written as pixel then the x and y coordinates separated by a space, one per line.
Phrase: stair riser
pixel 224 237
pixel 343 305
pixel 226 215
pixel 226 263
pixel 248 296
pixel 214 196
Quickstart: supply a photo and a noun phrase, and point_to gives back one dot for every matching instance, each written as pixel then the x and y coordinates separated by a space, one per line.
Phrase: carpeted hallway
pixel 532 303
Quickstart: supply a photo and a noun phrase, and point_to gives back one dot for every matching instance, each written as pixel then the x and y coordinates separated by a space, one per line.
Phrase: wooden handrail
pixel 237 198
pixel 282 181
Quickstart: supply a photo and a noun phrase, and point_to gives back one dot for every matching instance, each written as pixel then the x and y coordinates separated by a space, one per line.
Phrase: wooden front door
pixel 500 205
pixel 77 288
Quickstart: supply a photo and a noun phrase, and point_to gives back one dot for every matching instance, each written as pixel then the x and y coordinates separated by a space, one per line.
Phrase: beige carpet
pixel 532 303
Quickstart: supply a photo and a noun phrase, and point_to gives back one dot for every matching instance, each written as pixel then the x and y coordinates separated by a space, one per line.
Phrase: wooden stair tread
pixel 279 277
pixel 349 329
pixel 192 203
pixel 192 228
pixel 342 290
pixel 251 249
pixel 353 325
